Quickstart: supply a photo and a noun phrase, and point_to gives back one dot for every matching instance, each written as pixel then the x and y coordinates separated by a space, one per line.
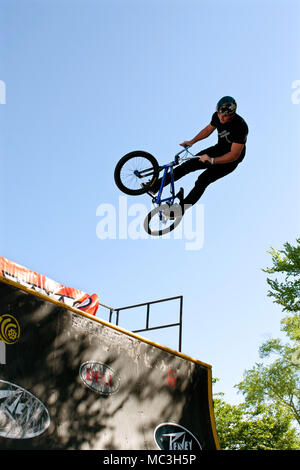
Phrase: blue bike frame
pixel 170 199
pixel 166 168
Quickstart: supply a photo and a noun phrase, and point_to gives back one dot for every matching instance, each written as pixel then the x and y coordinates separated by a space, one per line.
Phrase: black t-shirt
pixel 235 130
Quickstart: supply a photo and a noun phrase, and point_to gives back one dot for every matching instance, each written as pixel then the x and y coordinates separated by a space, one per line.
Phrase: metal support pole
pixel 148 304
pixel 180 322
pixel 147 317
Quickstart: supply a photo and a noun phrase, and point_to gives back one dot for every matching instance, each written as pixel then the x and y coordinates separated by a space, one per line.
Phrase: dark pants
pixel 211 173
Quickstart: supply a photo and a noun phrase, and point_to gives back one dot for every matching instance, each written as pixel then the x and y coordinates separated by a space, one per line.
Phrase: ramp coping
pixel 103 322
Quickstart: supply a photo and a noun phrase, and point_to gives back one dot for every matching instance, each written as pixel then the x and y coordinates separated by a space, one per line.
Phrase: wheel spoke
pixel 128 176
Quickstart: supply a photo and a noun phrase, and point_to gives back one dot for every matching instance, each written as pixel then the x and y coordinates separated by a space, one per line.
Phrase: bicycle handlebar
pixel 176 158
pixel 181 151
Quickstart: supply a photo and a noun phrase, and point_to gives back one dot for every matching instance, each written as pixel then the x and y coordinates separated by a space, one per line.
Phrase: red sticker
pixel 171 378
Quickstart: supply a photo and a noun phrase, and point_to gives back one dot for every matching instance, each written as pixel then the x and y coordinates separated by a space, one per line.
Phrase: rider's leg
pixel 186 167
pixel 207 177
pixel 178 172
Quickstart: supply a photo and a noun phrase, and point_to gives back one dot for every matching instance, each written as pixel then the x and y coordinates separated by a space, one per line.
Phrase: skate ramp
pixel 69 380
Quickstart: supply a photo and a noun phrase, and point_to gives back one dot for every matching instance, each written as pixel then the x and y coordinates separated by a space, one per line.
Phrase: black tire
pixel 125 178
pixel 156 224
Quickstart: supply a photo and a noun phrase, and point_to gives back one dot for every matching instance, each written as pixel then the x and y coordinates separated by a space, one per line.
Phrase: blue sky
pixel 88 81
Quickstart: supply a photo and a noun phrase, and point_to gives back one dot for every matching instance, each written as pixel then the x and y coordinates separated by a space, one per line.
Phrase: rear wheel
pixel 161 220
pixel 136 172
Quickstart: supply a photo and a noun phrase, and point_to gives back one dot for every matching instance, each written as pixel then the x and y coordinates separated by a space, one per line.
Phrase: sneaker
pixel 180 196
pixel 150 192
pixel 172 212
pixel 176 210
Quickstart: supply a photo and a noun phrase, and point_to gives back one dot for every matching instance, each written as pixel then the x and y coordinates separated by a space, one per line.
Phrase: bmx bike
pixel 135 174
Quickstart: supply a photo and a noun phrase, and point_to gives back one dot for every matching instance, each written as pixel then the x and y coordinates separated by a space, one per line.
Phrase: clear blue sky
pixel 90 80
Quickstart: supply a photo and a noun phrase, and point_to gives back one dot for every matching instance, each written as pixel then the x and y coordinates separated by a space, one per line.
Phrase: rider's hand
pixel 187 143
pixel 205 158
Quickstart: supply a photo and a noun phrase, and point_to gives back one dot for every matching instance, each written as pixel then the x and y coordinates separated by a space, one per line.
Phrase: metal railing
pixel 147 327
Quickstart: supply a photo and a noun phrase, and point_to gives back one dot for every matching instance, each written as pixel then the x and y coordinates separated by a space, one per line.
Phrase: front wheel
pixel 161 220
pixel 136 172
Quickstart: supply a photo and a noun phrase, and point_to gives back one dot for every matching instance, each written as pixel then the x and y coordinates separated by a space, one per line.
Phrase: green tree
pixel 265 428
pixel 277 382
pixel 270 412
pixel 286 291
pixel 286 262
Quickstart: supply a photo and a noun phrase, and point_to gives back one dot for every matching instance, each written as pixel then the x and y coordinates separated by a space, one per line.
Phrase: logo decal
pixel 9 329
pixel 225 134
pixel 99 377
pixel 171 378
pixel 170 436
pixel 22 415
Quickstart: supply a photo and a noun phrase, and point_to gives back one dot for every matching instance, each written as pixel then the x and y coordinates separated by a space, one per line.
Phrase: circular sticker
pixel 171 378
pixel 9 329
pixel 171 436
pixel 99 377
pixel 22 415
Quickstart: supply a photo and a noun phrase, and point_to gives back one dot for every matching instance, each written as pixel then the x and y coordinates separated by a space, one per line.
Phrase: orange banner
pixel 67 295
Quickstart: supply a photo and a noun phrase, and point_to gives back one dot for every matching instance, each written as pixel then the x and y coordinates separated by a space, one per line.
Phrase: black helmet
pixel 226 105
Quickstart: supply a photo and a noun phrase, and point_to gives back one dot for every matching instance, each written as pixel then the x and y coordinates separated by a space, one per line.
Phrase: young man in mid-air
pixel 223 158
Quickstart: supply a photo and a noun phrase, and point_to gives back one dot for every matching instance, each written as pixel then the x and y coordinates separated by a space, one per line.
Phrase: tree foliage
pixel 270 414
pixel 286 291
pixel 266 428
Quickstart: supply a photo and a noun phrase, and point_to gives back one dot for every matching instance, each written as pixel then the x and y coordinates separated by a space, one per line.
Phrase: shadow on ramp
pixel 71 381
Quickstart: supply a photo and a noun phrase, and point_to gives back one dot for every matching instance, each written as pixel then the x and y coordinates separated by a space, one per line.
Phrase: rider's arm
pixel 200 136
pixel 235 152
pixel 203 134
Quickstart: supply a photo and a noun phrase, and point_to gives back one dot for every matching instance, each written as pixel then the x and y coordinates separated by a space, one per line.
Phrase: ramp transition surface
pixel 69 380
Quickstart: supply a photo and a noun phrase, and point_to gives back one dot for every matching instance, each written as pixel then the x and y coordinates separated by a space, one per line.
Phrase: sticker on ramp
pixel 171 436
pixel 22 415
pixel 99 377
pixel 9 329
pixel 171 378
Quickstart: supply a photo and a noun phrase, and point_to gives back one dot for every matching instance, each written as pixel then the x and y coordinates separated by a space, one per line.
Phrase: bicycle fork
pixel 168 200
